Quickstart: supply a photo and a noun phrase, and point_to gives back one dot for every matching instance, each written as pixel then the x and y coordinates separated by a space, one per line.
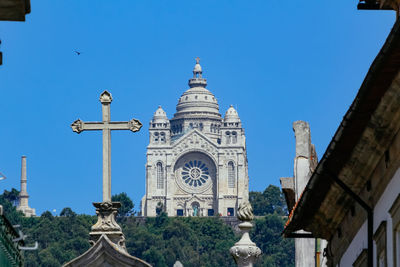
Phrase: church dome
pixel 231 115
pixel 160 116
pixel 197 101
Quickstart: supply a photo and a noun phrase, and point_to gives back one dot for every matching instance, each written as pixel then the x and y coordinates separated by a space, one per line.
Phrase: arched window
pixel 162 137
pixel 228 137
pixel 160 176
pixel 234 137
pixel 156 137
pixel 231 175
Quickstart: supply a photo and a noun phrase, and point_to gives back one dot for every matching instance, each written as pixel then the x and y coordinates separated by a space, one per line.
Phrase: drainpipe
pixel 370 215
pixel 317 252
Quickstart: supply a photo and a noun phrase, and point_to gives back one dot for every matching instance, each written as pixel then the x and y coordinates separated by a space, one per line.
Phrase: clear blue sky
pixel 276 61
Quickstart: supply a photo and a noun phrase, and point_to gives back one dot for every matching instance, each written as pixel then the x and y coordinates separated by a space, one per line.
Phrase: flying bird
pixel 77 52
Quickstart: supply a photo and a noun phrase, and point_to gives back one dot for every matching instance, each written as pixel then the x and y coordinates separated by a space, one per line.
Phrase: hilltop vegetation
pixel 161 240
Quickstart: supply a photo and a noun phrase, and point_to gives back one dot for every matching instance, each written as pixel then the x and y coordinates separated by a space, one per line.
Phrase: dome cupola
pixel 160 116
pixel 197 101
pixel 231 115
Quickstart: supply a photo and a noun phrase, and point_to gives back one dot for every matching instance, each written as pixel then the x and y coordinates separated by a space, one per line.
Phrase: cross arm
pixel 133 125
pixel 79 126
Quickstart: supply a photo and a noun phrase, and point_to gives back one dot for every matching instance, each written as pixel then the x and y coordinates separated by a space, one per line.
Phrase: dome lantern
pixel 197 80
pixel 197 102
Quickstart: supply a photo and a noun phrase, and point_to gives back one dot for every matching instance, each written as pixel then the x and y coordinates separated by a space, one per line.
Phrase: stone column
pixel 23 196
pixel 305 247
pixel 245 252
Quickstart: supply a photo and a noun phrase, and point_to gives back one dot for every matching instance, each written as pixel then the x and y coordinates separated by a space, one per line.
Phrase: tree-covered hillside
pixel 160 241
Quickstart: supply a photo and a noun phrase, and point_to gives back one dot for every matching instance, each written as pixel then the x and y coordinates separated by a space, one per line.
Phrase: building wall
pixel 381 213
pixel 191 147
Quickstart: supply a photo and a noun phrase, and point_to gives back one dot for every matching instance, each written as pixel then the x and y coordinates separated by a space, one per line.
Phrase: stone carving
pixel 77 126
pixel 245 252
pixel 245 212
pixel 106 224
pixel 194 141
pixel 134 125
pixel 105 212
pixel 195 172
pixel 105 97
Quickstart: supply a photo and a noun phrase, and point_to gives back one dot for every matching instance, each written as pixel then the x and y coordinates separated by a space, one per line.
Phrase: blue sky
pixel 276 61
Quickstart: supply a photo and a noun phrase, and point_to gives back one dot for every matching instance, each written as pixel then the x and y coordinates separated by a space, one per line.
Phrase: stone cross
pixel 106 126
pixel 197 60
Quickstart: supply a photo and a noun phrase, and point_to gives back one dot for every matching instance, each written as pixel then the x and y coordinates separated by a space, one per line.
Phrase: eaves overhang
pixel 362 116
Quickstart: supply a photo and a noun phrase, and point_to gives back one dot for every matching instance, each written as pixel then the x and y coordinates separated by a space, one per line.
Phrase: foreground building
pixel 353 197
pixel 196 161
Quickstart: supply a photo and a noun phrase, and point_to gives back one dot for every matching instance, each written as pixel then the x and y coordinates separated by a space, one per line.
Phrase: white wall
pixel 381 213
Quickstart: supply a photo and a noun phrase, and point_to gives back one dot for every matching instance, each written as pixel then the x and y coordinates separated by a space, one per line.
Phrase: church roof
pixel 197 101
pixel 231 115
pixel 105 253
pixel 160 116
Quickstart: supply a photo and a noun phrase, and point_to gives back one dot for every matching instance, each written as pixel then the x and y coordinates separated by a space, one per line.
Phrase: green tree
pixel 12 196
pixel 268 202
pixel 195 241
pixel 277 251
pixel 127 205
pixel 67 212
pixel 7 200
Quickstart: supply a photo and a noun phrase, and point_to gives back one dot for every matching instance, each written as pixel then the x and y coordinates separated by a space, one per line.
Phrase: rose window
pixel 195 173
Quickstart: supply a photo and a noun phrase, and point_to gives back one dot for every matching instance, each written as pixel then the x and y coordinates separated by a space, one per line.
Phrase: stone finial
pixel 245 212
pixel 245 252
pixel 197 80
pixel 135 125
pixel 105 97
pixel 77 126
pixel 197 68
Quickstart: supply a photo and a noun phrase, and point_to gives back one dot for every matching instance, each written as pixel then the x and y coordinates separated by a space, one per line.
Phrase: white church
pixel 196 161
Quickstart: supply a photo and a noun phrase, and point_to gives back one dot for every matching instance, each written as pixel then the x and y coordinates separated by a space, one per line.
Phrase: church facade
pixel 196 161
